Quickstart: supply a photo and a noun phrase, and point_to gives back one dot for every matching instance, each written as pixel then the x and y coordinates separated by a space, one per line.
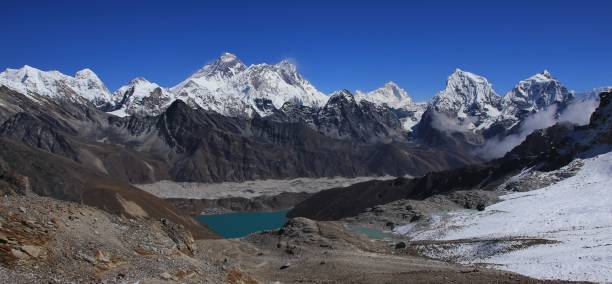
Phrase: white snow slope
pixel 390 94
pixel 577 212
pixel 85 86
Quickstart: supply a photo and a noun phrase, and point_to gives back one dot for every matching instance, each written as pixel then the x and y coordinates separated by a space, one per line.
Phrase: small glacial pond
pixel 372 233
pixel 240 224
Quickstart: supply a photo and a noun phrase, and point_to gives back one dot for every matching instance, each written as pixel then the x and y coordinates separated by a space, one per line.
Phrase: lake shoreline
pixel 241 224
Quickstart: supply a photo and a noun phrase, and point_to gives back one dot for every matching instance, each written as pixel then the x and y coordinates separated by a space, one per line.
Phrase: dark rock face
pixel 265 106
pixel 601 120
pixel 39 132
pixel 211 147
pixel 296 113
pixel 544 150
pixel 346 119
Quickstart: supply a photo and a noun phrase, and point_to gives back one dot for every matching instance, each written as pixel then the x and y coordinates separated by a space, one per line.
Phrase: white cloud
pixel 577 113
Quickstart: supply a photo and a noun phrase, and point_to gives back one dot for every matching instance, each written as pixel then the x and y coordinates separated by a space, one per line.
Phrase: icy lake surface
pixel 240 224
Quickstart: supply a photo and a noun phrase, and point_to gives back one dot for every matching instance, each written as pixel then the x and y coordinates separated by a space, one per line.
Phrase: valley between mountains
pixel 471 186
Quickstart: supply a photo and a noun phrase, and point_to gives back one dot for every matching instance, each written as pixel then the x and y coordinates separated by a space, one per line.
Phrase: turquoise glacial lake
pixel 240 224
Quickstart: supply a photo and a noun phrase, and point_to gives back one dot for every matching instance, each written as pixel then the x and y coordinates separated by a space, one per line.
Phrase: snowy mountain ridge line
pixel 225 85
pixel 84 86
pixel 228 77
pixel 228 86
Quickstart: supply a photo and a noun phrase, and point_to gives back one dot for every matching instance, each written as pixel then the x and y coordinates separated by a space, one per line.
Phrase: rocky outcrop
pixel 601 120
pixel 343 118
pixel 42 132
pixel 179 235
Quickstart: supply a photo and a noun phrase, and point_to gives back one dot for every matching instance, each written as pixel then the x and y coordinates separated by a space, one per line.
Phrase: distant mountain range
pixel 464 115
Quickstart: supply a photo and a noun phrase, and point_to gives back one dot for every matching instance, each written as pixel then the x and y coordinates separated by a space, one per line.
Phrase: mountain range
pixel 467 115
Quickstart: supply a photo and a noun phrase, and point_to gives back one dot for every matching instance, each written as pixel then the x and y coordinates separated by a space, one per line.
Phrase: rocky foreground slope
pixel 44 240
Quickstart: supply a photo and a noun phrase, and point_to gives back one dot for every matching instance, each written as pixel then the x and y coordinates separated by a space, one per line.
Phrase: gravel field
pixel 247 189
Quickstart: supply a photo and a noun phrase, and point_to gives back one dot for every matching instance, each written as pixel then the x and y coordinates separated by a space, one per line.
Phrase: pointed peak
pixel 226 65
pixel 395 88
pixel 138 80
pixel 342 93
pixel 85 71
pixel 28 69
pixel 286 64
pixel 86 74
pixel 392 85
pixel 459 74
pixel 542 76
pixel 462 73
pixel 228 57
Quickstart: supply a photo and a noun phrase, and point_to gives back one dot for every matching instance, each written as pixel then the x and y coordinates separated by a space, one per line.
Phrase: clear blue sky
pixel 345 44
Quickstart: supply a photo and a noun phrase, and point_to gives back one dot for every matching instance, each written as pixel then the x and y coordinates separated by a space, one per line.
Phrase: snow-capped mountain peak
pixel 396 90
pixel 468 96
pixel 287 66
pixel 546 74
pixel 85 86
pixel 142 97
pixel 229 87
pixel 226 66
pixel 466 89
pixel 535 93
pixel 86 74
pixel 389 94
pixel 461 75
pixel 141 86
pixel 393 96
